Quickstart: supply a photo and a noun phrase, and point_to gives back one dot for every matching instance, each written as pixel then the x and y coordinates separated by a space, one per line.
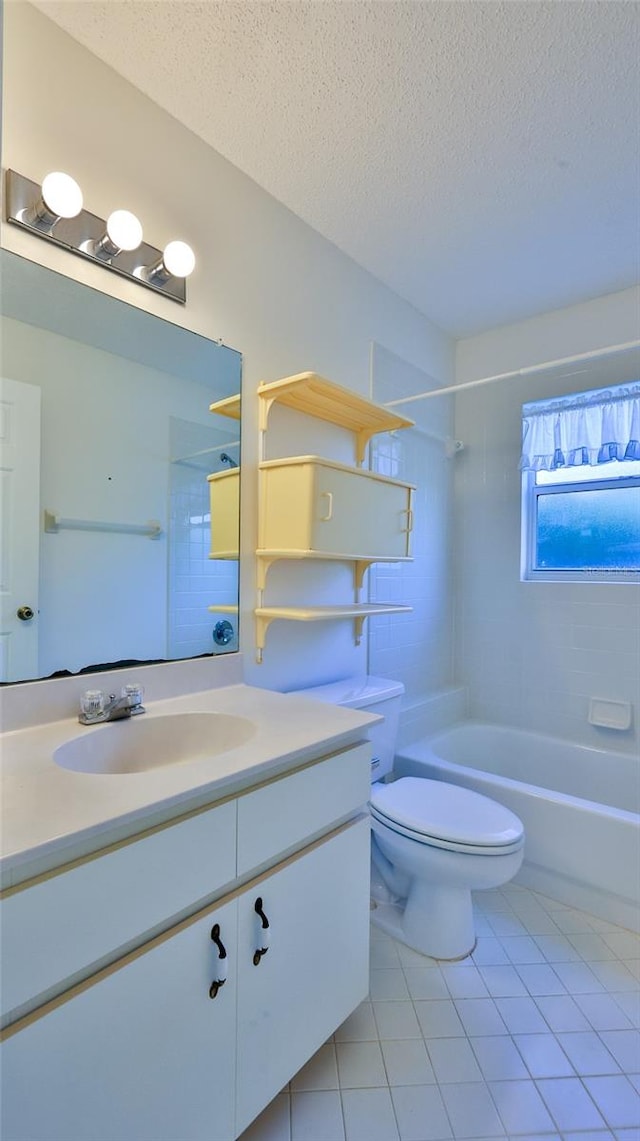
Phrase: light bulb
pixel 61 195
pixel 179 259
pixel 124 230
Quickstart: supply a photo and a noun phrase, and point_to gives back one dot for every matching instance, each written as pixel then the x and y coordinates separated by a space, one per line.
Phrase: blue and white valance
pixel 584 428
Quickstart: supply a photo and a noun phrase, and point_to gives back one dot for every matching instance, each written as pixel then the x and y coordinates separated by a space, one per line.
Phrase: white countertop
pixel 51 815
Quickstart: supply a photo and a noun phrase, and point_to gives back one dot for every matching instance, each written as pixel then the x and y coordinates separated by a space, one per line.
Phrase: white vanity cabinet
pixel 140 1050
pixel 143 1054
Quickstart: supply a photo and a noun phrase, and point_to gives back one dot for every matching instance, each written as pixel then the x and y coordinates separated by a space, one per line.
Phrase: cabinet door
pixel 316 970
pixel 144 1054
pixel 359 513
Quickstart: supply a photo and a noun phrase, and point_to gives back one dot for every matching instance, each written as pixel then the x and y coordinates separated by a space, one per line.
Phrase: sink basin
pixel 143 744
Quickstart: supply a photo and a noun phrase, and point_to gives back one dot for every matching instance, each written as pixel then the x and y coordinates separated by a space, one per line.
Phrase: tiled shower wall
pixel 195 581
pixel 531 653
pixel 415 648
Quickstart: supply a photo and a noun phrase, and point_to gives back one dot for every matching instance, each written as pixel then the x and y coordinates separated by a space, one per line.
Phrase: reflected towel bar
pixel 54 523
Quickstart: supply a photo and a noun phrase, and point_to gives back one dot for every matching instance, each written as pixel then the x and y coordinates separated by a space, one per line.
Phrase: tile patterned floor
pixel 535 1036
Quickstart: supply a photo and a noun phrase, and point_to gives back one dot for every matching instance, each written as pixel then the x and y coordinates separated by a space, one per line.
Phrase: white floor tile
pixel 543 1056
pixel 618 1101
pixel 561 1013
pixel 480 1016
pixel 588 1054
pixel 487 1049
pixel 629 1002
pixel 453 1060
pixel 570 1104
pixel 439 1019
pixel 498 1058
pixel 578 978
pixel 615 975
pixel 360 1065
pixel 317 1116
pixel 424 982
pixel 369 1116
pixel 503 924
pixel 625 943
pixel 521 1107
pixel 625 1047
pixel 465 984
pixel 420 1113
pixel 522 949
pixel 502 982
pixel 557 948
pixel 489 951
pixel 388 985
pixel 603 1012
pixel 521 1015
pixel 320 1073
pixel 407 1063
pixel 540 979
pixel 572 922
pixel 359 1027
pixel 471 1110
pixel 591 946
pixel 396 1020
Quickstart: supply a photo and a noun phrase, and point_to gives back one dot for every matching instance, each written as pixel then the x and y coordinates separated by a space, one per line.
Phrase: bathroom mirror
pixel 106 442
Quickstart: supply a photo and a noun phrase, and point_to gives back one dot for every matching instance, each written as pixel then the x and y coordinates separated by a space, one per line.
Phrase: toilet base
pixel 435 921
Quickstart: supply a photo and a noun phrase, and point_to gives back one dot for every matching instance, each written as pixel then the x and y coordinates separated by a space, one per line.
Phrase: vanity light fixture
pixel 60 197
pixel 178 260
pixel 54 211
pixel 123 232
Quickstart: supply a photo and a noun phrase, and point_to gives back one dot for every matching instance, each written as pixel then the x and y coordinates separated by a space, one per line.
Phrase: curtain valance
pixel 584 428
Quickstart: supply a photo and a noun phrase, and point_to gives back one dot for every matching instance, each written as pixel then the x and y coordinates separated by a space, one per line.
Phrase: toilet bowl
pixel 432 844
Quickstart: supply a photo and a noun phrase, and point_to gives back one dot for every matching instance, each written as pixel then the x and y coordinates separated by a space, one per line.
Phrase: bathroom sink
pixel 143 744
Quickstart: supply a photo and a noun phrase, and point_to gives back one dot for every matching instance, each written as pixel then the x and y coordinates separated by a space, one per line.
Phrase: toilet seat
pixel 448 816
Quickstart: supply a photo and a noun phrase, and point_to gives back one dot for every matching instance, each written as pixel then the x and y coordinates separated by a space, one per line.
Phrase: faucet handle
pixel 92 703
pixel 134 693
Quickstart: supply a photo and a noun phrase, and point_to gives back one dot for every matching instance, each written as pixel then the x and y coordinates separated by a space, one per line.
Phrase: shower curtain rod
pixel 593 354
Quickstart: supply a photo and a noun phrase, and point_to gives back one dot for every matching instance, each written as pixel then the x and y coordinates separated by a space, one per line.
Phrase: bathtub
pixel 583 850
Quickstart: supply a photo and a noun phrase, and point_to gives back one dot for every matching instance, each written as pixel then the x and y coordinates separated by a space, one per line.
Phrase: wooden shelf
pixel 360 565
pixel 307 392
pixel 230 407
pixel 357 611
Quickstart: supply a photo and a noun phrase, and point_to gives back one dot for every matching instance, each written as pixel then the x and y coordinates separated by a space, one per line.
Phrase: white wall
pixel 265 283
pixel 532 653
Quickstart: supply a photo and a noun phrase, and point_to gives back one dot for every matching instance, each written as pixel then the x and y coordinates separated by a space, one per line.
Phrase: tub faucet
pixel 96 708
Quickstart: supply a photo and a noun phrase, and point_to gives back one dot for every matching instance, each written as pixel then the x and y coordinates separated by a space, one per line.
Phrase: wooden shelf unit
pixel 307 392
pixel 265 615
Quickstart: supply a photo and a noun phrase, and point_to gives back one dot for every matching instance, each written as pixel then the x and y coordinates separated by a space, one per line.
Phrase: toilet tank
pixel 375 695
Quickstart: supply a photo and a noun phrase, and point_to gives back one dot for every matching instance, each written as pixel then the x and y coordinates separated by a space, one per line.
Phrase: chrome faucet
pixel 96 708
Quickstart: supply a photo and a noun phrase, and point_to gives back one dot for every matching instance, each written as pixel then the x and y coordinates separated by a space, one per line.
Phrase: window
pixel 581 487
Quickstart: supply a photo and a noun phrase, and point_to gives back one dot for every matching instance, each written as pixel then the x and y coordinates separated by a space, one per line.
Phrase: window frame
pixel 531 493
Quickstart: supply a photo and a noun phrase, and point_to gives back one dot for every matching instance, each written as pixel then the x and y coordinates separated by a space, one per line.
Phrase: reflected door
pixel 19 529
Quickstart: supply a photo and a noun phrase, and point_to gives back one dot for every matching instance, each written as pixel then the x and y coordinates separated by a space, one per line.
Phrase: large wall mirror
pixel 106 442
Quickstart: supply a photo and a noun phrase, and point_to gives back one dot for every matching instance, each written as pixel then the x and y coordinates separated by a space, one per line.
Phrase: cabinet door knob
pixel 221 962
pixel 263 933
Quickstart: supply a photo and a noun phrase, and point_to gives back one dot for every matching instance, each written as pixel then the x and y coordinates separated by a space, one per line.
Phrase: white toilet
pixel 433 843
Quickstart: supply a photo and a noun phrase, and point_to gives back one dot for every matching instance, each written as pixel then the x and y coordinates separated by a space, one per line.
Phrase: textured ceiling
pixel 481 158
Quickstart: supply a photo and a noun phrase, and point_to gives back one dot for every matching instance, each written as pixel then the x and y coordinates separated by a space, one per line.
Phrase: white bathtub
pixel 580 807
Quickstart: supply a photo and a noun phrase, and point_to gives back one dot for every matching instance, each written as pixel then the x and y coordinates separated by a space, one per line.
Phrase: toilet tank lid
pixel 355 692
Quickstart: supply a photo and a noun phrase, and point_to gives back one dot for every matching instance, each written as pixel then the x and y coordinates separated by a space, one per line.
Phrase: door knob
pixel 25 613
